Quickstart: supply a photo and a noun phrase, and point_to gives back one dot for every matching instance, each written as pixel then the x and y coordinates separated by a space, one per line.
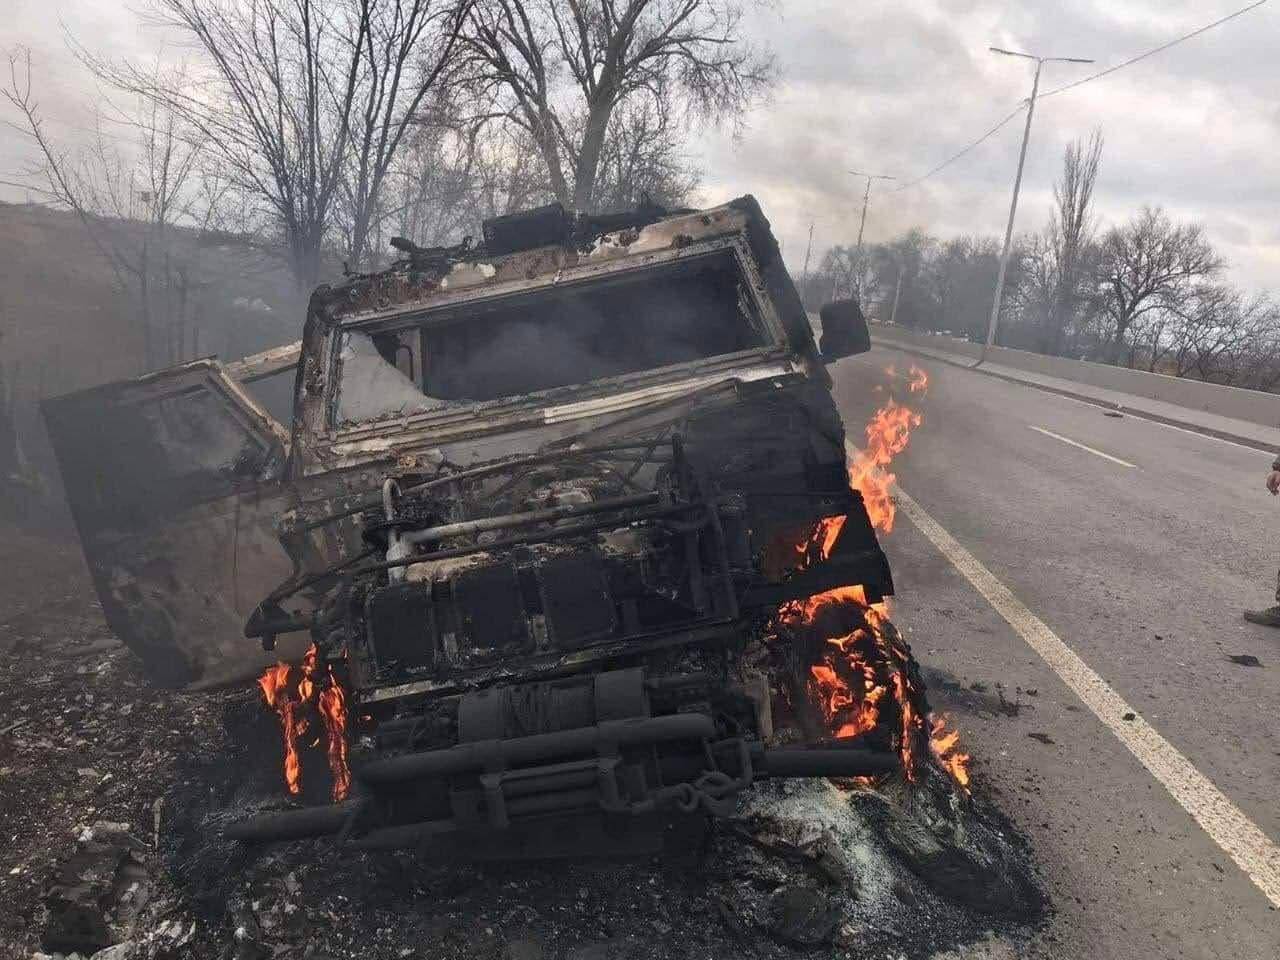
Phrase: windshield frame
pixel 589 271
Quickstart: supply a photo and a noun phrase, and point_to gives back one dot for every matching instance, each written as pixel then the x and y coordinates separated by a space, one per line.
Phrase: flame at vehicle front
pixel 301 700
pixel 275 691
pixel 943 744
pixel 863 672
pixel 888 433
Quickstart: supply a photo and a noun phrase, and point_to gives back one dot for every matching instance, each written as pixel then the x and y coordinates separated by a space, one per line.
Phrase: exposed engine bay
pixel 571 547
pixel 577 636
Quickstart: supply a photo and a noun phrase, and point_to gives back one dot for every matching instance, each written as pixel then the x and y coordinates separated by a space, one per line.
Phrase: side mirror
pixel 844 331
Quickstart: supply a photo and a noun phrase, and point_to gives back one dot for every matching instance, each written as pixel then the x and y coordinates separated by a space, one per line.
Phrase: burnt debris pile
pixel 133 861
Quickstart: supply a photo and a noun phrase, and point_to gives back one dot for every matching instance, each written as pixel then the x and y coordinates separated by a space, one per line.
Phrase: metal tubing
pixel 542 746
pixel 410 835
pixel 293 824
pixel 558 533
pixel 475 473
pixel 825 763
pixel 528 519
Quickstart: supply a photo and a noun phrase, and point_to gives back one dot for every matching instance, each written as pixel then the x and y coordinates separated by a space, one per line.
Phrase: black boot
pixel 1269 617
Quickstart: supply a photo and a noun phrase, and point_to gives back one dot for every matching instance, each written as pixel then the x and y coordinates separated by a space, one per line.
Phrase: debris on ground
pixel 114 793
pixel 1245 659
pixel 97 892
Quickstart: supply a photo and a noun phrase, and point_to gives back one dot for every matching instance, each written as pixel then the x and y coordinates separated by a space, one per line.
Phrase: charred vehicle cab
pixel 542 504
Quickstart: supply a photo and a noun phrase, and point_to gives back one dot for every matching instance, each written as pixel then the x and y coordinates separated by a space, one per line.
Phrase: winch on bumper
pixel 561 768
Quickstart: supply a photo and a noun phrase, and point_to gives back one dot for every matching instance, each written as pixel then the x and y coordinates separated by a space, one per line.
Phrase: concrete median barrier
pixel 1251 406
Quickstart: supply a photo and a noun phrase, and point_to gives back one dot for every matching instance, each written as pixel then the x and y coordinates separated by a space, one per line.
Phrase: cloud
pixel 896 86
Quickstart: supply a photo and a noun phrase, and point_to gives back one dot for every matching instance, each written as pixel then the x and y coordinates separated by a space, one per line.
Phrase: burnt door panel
pixel 174 483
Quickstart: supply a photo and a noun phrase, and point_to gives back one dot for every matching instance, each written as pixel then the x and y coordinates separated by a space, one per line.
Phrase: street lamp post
pixel 1017 185
pixel 866 199
pixel 897 295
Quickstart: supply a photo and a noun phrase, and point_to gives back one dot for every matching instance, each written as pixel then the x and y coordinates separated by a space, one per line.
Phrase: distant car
pixel 540 504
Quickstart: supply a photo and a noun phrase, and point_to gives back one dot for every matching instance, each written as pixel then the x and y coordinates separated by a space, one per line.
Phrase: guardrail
pixel 1253 406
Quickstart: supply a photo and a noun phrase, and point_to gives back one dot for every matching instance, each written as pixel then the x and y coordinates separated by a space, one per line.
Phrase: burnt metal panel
pixel 401 624
pixel 489 610
pixel 527 229
pixel 575 598
pixel 173 481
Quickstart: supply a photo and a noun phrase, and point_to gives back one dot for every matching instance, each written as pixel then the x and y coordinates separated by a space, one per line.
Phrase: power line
pixel 1071 86
pixel 1160 49
pixel 976 143
pixel 24 186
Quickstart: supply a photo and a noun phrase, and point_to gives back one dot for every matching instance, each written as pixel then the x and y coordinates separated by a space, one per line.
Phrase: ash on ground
pixel 112 795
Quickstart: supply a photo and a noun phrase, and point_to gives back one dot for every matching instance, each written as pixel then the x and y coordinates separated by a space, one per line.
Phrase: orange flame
pixel 919 380
pixel 289 703
pixel 875 665
pixel 863 671
pixel 333 707
pixel 887 436
pixel 867 669
pixel 274 683
pixel 909 724
pixel 943 745
pixel 826 534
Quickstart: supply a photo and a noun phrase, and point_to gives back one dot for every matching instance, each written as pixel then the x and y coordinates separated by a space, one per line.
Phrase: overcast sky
pixel 896 86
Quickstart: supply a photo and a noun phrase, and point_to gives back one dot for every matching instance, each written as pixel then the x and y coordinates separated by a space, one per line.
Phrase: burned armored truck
pixel 553 551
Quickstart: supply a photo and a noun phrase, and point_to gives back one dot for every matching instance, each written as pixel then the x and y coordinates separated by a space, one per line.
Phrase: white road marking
pixel 1238 836
pixel 1076 443
pixel 1194 433
pixel 1131 414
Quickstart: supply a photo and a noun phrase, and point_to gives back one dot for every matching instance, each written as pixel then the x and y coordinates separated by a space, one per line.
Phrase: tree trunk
pixel 1117 345
pixel 144 310
pixel 588 165
pixel 545 135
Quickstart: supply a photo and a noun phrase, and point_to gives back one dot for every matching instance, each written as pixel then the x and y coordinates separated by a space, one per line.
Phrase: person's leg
pixel 1269 617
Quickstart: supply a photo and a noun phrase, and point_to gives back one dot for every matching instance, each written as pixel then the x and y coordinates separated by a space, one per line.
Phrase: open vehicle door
pixel 174 481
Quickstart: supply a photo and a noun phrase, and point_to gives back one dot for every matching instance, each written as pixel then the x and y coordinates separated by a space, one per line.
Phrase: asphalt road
pixel 1139 554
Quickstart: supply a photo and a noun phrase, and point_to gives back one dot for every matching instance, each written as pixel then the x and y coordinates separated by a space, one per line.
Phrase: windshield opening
pixel 553 338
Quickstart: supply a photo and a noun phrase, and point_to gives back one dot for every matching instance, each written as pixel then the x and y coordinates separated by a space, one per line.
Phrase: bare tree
pixel 1070 241
pixel 685 57
pixel 1147 265
pixel 451 175
pixel 1182 319
pixel 1256 362
pixel 642 157
pixel 130 196
pixel 846 272
pixel 408 46
pixel 902 267
pixel 304 104
pixel 1220 335
pixel 958 278
pixel 433 185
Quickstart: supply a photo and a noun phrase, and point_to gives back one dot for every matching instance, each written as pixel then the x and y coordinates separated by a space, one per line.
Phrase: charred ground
pixel 113 792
